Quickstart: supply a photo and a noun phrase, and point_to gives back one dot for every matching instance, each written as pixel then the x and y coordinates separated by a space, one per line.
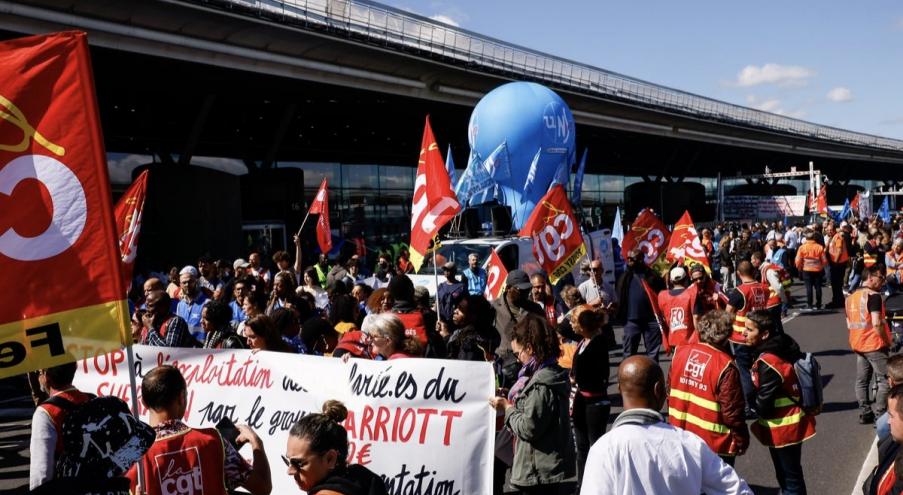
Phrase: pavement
pixel 833 460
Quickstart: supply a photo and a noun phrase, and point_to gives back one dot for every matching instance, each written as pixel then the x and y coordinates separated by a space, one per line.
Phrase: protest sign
pixel 764 207
pixel 424 425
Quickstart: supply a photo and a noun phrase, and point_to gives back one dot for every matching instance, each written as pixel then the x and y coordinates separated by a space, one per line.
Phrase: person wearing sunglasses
pixel 316 456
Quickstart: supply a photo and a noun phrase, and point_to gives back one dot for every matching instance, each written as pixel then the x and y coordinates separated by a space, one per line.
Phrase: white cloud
pixel 840 94
pixel 782 75
pixel 445 20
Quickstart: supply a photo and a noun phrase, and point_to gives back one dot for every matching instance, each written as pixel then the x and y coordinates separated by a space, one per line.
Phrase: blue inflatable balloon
pixel 522 134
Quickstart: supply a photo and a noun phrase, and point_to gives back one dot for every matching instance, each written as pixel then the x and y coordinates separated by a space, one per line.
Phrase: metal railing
pixel 385 26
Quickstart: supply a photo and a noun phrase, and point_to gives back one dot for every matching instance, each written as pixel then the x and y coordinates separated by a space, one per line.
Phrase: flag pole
pixel 303 222
pixel 436 270
pixel 134 386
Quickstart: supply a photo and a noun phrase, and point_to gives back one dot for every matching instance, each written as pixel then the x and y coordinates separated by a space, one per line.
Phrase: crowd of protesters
pixel 732 363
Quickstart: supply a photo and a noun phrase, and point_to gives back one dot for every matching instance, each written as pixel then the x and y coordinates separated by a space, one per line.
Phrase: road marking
pixel 792 316
pixel 871 460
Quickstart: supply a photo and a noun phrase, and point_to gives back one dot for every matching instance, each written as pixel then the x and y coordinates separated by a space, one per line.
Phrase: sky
pixel 837 63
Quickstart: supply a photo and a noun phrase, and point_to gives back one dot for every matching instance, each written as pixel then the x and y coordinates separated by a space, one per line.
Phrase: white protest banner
pixel 424 425
pixel 764 207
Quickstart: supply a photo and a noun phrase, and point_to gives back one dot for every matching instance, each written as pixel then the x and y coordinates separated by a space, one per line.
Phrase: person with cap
pixel 810 262
pixel 86 468
pixel 475 276
pixel 448 293
pixel 48 418
pixel 240 268
pixel 644 454
pixel 681 308
pixel 637 301
pixel 513 305
pixel 191 301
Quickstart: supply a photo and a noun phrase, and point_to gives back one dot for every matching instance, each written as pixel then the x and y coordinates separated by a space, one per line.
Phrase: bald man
pixel 644 454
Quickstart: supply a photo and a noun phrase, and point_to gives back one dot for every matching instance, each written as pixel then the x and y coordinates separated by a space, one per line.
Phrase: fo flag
pixel 647 234
pixel 496 274
pixel 128 214
pixel 320 206
pixel 435 202
pixel 57 238
pixel 685 247
pixel 557 242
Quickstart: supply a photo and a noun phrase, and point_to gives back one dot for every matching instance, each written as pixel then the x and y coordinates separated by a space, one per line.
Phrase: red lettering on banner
pixel 408 413
pixel 358 456
pixel 449 418
pixel 382 417
pixel 426 422
pixel 365 422
pixel 350 425
pixel 373 424
pixel 247 374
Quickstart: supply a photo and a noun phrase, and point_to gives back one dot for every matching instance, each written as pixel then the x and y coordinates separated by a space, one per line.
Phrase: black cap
pixel 519 279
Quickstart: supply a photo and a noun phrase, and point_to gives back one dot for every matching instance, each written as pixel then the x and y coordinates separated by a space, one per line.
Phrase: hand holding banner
pixel 557 242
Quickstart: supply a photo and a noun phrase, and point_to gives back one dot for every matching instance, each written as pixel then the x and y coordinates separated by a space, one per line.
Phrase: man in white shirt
pixel 593 289
pixel 644 454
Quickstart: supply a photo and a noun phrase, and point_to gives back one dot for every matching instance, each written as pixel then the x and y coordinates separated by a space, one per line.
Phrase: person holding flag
pixel 320 206
pixel 637 306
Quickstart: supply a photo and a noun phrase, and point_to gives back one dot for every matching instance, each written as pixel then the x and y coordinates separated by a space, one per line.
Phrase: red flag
pixel 434 201
pixel 557 242
pixel 685 247
pixel 496 274
pixel 811 202
pixel 320 206
pixel 648 234
pixel 822 201
pixel 128 225
pixel 57 237
pixel 854 205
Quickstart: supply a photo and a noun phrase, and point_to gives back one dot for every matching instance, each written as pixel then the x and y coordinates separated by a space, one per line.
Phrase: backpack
pixel 808 375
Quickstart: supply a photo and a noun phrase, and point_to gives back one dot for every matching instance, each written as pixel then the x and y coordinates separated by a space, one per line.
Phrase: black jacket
pixel 783 346
pixel 656 283
pixel 889 452
pixel 468 343
pixel 352 480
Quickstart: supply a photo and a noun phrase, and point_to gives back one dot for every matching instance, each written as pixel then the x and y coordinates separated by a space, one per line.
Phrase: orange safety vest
pixel 186 462
pixel 755 296
pixel 58 414
pixel 869 258
pixel 787 424
pixel 863 335
pixel 693 400
pixel 837 249
pixel 811 257
pixel 894 261
pixel 677 316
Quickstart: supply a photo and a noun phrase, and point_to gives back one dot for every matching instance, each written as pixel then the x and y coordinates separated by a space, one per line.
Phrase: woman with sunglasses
pixel 388 339
pixel 317 452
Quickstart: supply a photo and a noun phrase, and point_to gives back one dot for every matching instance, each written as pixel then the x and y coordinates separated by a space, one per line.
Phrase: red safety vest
pixel 864 337
pixel 787 424
pixel 414 326
pixel 869 253
pixel 58 414
pixel 887 481
pixel 677 315
pixel 774 297
pixel 711 288
pixel 755 296
pixel 184 463
pixel 692 402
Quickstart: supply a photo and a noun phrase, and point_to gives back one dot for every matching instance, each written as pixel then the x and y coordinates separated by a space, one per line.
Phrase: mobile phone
pixel 228 431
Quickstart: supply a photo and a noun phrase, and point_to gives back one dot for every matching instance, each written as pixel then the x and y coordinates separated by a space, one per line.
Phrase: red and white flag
pixel 434 201
pixel 58 249
pixel 685 247
pixel 648 234
pixel 557 242
pixel 822 201
pixel 854 205
pixel 320 206
pixel 128 214
pixel 810 202
pixel 496 274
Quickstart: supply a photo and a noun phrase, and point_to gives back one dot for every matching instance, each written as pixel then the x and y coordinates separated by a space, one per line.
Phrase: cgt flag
pixel 320 206
pixel 684 246
pixel 821 202
pixel 496 274
pixel 648 234
pixel 57 237
pixel 128 214
pixel 434 202
pixel 557 242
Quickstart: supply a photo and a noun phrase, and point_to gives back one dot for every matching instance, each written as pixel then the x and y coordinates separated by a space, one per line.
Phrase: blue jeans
pixel 745 356
pixel 788 468
pixel 651 334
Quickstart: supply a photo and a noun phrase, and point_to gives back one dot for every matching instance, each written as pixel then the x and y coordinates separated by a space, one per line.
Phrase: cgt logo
pixel 549 242
pixel 696 364
pixel 180 472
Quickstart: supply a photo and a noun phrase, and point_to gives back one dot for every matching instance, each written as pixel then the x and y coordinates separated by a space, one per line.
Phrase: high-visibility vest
pixel 887 480
pixel 677 313
pixel 837 249
pixel 864 337
pixel 321 273
pixel 774 298
pixel 58 414
pixel 811 257
pixel 755 296
pixel 186 462
pixel 692 402
pixel 870 254
pixel 787 424
pixel 894 261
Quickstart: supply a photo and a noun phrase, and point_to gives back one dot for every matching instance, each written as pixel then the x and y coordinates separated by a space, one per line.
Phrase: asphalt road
pixel 832 459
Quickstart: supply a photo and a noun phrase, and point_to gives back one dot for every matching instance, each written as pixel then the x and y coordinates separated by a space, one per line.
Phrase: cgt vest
pixel 864 337
pixel 186 463
pixel 755 296
pixel 774 298
pixel 414 326
pixel 677 313
pixel 787 424
pixel 58 406
pixel 692 401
